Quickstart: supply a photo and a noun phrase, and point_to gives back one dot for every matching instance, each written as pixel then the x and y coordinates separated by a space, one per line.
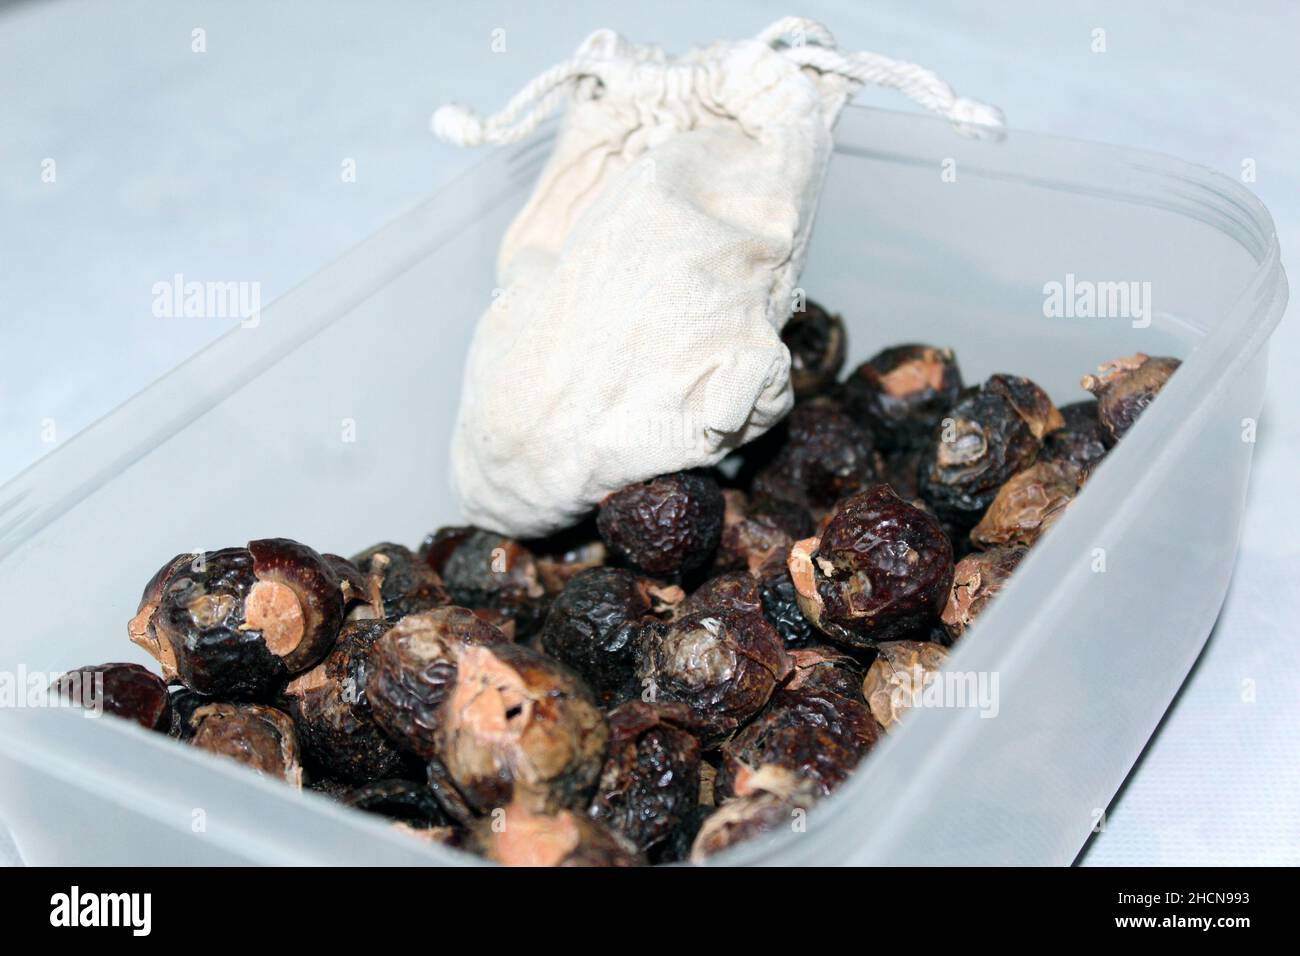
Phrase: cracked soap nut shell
pixel 722 664
pixel 257 736
pixel 519 836
pixel 1124 387
pixel 826 456
pixel 650 784
pixel 518 727
pixel 593 627
pixel 816 726
pixel 976 581
pixel 667 526
pixel 1028 504
pixel 898 676
pixel 336 729
pixel 989 435
pixel 880 571
pixel 815 339
pixel 753 531
pixel 770 800
pixel 902 393
pixel 123 690
pixel 236 623
pixel 412 671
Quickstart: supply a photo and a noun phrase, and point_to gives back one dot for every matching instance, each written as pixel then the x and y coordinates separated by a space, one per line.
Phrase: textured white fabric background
pixel 227 165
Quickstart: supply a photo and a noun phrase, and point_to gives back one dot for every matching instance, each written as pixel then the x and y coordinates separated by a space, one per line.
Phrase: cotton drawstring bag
pixel 644 286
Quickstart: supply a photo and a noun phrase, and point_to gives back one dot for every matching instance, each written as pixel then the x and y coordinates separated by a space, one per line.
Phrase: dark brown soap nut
pixel 520 836
pixel 753 531
pixel 826 456
pixel 817 726
pixel 406 583
pixel 123 690
pixel 668 526
pixel 412 671
pixel 976 581
pixel 518 727
pixel 1030 402
pixel 781 602
pixel 236 623
pixel 330 709
pixel 898 677
pixel 983 440
pixel 722 664
pixel 593 627
pixel 400 800
pixel 1080 441
pixel 1028 504
pixel 257 736
pixel 816 341
pixel 903 392
pixel 736 592
pixel 880 571
pixel 488 570
pixel 141 628
pixel 769 801
pixel 1124 387
pixel 650 784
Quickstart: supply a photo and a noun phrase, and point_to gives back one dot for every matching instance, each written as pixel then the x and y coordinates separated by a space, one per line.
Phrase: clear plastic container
pixel 245 440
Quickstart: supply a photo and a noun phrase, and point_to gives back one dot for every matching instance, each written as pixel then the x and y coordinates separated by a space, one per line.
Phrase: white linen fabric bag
pixel 644 286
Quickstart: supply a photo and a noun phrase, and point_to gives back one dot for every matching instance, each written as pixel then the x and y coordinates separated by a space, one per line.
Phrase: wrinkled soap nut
pixel 650 783
pixel 593 627
pixel 1124 387
pixel 770 800
pixel 989 435
pixel 338 733
pixel 826 456
pixel 257 736
pixel 903 472
pixel 880 571
pixel 902 393
pixel 519 836
pixel 122 690
pixel 403 581
pixel 1027 505
pixel 722 664
pixel 236 623
pixel 817 726
pixel 485 570
pixel 1081 440
pixel 815 339
pixel 667 527
pixel 897 678
pixel 976 581
pixel 518 727
pixel 412 670
pixel 736 592
pixel 753 531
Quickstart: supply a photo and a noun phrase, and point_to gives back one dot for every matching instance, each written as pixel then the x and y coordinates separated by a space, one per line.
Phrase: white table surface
pixel 226 165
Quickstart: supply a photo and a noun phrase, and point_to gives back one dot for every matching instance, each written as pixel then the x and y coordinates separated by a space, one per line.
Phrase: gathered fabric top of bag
pixel 644 285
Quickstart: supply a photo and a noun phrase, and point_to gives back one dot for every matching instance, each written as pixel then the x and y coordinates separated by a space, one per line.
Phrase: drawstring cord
pixel 805 42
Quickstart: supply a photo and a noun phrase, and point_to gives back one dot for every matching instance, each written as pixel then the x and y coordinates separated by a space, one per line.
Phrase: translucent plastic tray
pixel 244 441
